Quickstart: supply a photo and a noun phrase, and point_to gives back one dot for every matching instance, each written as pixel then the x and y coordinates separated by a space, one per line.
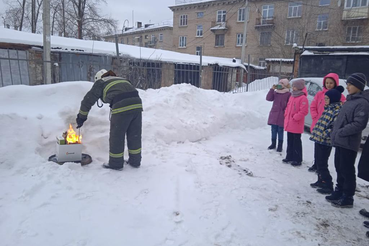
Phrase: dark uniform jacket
pixel 118 92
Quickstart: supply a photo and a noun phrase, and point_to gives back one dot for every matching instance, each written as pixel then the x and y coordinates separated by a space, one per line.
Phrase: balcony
pixel 264 22
pixel 219 27
pixel 355 13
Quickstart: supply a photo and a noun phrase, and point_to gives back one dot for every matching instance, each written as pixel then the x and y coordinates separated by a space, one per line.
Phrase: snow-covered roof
pixel 63 44
pixel 187 2
pixel 309 53
pixel 278 59
pixel 152 27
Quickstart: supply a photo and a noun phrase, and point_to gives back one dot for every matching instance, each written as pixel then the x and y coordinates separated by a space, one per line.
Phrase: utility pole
pixel 46 44
pixel 244 40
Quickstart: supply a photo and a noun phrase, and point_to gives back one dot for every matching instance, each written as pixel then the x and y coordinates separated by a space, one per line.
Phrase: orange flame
pixel 72 137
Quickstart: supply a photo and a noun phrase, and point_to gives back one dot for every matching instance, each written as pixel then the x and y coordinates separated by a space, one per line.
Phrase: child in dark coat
pixel 321 135
pixel 279 95
pixel 346 138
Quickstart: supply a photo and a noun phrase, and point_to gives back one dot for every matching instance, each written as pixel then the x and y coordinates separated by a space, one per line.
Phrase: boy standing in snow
pixel 346 138
pixel 321 136
pixel 330 81
pixel 294 120
pixel 279 95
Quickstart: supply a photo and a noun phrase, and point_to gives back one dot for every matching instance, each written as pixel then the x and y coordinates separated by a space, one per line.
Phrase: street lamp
pixel 124 25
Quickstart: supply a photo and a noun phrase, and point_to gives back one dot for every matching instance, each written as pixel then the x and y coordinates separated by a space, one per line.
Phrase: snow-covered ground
pixel 190 190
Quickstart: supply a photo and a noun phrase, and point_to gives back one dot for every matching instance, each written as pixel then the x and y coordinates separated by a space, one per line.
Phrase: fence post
pixel 248 73
pixel 200 72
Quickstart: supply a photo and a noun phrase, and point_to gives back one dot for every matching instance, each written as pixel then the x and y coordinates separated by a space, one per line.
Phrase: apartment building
pixel 273 26
pixel 157 36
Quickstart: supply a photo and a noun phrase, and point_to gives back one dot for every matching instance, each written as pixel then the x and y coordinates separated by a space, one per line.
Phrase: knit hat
pixel 335 94
pixel 299 84
pixel 358 80
pixel 284 82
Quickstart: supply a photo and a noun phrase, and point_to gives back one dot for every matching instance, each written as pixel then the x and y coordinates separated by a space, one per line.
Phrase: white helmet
pixel 99 74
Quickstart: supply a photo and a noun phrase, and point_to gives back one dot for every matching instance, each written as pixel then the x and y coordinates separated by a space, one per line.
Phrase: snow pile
pixel 193 187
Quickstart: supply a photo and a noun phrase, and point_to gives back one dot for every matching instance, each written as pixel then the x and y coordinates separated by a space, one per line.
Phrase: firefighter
pixel 126 116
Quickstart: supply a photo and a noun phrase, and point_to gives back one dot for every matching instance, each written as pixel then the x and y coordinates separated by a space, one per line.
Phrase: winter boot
pixel 344 202
pixel 285 160
pixel 364 213
pixel 366 224
pixel 335 196
pixel 313 168
pixel 326 188
pixel 296 163
pixel 317 184
pixel 280 145
pixel 272 146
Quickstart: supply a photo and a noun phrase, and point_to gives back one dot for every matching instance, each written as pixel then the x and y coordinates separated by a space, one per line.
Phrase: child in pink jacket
pixel 294 120
pixel 330 81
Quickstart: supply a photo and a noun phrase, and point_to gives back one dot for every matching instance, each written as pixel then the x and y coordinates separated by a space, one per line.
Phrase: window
pixel 200 15
pixel 239 39
pixel 199 31
pixel 182 42
pixel 291 37
pixel 265 38
pixel 294 9
pixel 324 2
pixel 356 3
pixel 152 38
pixel 268 12
pixel 241 15
pixel 313 89
pixel 219 40
pixel 262 62
pixel 322 23
pixel 161 36
pixel 353 34
pixel 221 16
pixel 183 20
pixel 198 50
pixel 127 40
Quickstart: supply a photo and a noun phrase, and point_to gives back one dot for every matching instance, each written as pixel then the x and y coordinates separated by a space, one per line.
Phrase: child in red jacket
pixel 330 81
pixel 294 120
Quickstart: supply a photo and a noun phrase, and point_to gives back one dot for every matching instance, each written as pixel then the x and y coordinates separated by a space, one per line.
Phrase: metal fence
pixel 25 67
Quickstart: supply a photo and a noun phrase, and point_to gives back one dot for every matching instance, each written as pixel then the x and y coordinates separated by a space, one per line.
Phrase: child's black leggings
pixel 294 147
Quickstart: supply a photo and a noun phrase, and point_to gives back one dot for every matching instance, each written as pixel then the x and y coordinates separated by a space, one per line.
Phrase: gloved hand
pixel 80 121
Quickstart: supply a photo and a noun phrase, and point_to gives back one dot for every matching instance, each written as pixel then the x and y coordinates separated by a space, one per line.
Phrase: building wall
pixel 208 21
pixel 305 27
pixel 133 38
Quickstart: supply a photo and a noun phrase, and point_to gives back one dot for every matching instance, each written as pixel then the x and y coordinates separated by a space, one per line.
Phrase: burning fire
pixel 72 137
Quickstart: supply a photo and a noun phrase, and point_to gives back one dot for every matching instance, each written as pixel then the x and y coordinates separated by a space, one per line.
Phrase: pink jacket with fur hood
pixel 297 109
pixel 317 105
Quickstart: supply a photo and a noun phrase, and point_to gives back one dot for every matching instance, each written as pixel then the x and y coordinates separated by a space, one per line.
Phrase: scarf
pixel 297 93
pixel 284 90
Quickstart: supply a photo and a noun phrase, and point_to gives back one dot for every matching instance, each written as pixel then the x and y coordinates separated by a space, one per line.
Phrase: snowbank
pixel 190 190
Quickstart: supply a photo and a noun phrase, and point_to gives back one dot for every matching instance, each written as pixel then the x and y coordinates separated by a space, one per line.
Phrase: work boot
pixel 344 202
pixel 280 145
pixel 325 188
pixel 335 196
pixel 313 168
pixel 107 166
pixel 272 146
pixel 135 165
